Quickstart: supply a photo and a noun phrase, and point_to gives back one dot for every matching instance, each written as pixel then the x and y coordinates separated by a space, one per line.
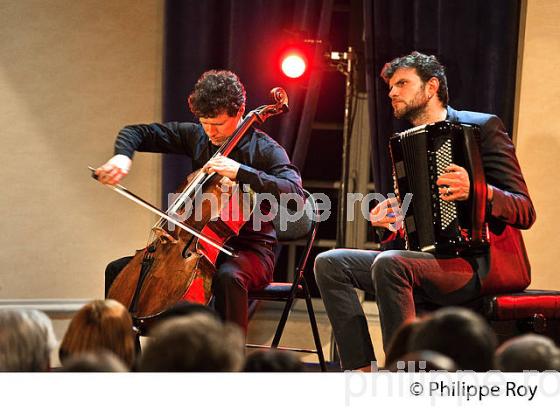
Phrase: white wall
pixel 538 137
pixel 72 73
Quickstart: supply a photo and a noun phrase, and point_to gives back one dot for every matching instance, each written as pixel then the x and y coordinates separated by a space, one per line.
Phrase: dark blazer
pixel 506 268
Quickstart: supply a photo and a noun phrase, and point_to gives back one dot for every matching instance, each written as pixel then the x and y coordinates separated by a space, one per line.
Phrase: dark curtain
pixel 243 36
pixel 476 40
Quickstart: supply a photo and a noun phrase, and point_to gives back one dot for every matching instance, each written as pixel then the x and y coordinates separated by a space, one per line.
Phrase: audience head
pixel 100 325
pixel 195 343
pixel 458 333
pixel 398 346
pixel 184 308
pixel 98 361
pixel 424 360
pixel 273 360
pixel 26 341
pixel 528 352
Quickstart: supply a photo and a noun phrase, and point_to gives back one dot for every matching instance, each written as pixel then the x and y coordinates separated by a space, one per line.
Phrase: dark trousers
pixel 398 280
pixel 251 269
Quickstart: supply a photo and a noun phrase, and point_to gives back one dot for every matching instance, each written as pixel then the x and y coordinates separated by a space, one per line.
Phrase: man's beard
pixel 413 110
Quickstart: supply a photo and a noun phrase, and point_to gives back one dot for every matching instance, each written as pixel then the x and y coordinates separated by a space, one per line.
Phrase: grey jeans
pixel 397 279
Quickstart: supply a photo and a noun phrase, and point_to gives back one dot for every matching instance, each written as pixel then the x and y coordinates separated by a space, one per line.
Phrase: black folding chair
pixel 304 228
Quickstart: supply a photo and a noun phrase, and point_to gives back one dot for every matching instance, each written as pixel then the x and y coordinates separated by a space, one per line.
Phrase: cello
pixel 180 259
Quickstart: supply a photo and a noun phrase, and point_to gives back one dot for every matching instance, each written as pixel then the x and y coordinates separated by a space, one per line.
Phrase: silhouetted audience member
pixel 26 340
pixel 273 360
pixel 100 325
pixel 45 324
pixel 398 346
pixel 180 309
pixel 198 342
pixel 99 361
pixel 528 352
pixel 458 333
pixel 424 360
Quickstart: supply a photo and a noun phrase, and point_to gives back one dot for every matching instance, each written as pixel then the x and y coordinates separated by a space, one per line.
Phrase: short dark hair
pixel 423 360
pixel 198 342
pixel 528 352
pixel 217 92
pixel 458 333
pixel 273 360
pixel 398 344
pixel 97 361
pixel 426 67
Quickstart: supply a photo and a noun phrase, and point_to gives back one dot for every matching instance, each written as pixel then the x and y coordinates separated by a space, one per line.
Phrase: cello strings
pixel 186 194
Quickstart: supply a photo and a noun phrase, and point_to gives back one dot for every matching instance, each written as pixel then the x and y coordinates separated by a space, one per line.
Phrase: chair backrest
pixel 301 226
pixel 292 225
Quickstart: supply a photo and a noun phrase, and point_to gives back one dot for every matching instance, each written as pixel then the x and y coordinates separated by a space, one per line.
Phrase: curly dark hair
pixel 426 67
pixel 216 92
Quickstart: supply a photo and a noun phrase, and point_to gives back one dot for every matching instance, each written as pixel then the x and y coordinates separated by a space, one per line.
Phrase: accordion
pixel 420 155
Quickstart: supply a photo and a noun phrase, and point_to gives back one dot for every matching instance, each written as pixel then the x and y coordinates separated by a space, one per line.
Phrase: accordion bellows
pixel 420 155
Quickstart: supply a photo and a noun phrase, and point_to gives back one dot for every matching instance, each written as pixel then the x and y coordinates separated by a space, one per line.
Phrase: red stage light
pixel 293 65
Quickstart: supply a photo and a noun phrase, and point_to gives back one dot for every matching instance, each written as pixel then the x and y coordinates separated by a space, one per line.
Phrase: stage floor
pixel 298 332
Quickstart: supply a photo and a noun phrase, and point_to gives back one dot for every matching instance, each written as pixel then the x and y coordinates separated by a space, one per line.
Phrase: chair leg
pixel 137 345
pixel 282 323
pixel 253 305
pixel 314 327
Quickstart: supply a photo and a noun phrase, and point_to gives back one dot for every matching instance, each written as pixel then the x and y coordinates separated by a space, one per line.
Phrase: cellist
pixel 218 100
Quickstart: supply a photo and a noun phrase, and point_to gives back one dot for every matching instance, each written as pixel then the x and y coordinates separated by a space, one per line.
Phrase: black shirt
pixel 265 166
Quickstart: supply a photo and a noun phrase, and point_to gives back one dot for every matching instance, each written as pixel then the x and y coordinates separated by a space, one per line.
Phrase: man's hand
pixel 113 170
pixel 223 166
pixel 387 214
pixel 454 185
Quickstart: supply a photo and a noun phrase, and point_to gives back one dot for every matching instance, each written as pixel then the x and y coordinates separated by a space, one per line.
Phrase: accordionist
pixel 404 280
